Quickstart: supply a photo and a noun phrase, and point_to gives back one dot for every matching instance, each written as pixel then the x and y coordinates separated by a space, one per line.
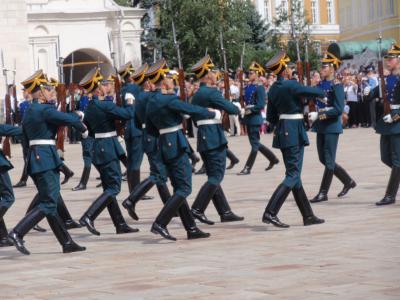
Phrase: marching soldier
pixel 133 134
pixel 254 97
pixel 211 144
pixel 285 111
pixel 6 191
pixel 100 119
pixel 164 112
pixel 327 122
pixel 389 126
pixel 40 127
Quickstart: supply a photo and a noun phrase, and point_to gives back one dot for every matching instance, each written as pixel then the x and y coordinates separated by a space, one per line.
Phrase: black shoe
pixel 201 171
pixel 72 247
pixel 196 233
pixel 274 220
pixel 145 197
pixel 20 184
pixel 230 217
pixel 201 217
pixel 79 187
pixel 84 180
pixel 71 224
pixel 163 231
pixel 231 165
pixel 39 228
pixel 67 173
pixel 312 220
pixel 18 243
pixel 347 188
pixel 386 201
pixel 124 228
pixel 86 222
pixel 6 242
pixel 130 207
pixel 99 185
pixel 246 171
pixel 322 196
pixel 233 159
pixel 271 165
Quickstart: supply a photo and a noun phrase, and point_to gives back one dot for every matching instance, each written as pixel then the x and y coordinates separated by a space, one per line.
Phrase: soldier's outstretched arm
pixel 220 102
pixel 120 113
pixel 52 115
pixel 306 91
pixel 10 130
pixel 190 109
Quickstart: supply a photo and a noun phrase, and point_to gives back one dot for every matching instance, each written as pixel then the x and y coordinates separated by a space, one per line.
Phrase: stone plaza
pixel 354 255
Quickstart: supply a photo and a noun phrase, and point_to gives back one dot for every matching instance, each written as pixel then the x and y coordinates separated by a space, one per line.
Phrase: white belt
pixel 143 126
pixel 105 135
pixel 42 142
pixel 208 122
pixel 394 106
pixel 291 116
pixel 1 147
pixel 328 108
pixel 171 129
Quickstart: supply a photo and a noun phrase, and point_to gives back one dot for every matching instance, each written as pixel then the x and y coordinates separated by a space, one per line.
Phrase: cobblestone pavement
pixel 354 255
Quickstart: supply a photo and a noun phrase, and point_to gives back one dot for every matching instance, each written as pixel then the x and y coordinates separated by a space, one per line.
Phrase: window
pixel 284 7
pixel 317 47
pixel 267 5
pixel 315 11
pixel 371 9
pixel 331 11
pixel 390 7
pixel 379 12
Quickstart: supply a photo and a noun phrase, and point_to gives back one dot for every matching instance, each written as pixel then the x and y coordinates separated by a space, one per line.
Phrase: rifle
pixel 6 142
pixel 181 73
pixel 311 103
pixel 71 90
pixel 241 97
pixel 17 118
pixel 119 126
pixel 381 79
pixel 225 116
pixel 61 100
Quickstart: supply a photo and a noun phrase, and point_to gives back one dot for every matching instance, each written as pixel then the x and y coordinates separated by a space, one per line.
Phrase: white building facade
pixel 37 33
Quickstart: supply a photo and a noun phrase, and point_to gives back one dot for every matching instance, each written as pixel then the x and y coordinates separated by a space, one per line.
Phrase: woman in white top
pixel 350 89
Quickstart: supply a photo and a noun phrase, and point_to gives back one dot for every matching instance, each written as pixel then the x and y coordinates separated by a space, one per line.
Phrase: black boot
pixel 24 177
pixel 249 163
pixel 134 181
pixel 392 188
pixel 193 158
pixel 305 208
pixel 28 221
pixel 345 178
pixel 34 203
pixel 233 159
pixel 84 180
pixel 324 188
pixel 201 202
pixel 193 232
pixel 93 212
pixel 117 218
pixel 273 160
pixel 165 216
pixel 67 173
pixel 4 240
pixel 274 205
pixel 222 206
pixel 201 171
pixel 130 203
pixel 66 216
pixel 62 235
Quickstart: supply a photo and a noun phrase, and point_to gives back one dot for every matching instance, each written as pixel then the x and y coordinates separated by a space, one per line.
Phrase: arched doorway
pixel 78 63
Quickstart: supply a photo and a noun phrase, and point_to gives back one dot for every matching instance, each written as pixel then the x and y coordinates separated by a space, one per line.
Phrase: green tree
pixel 198 25
pixel 296 18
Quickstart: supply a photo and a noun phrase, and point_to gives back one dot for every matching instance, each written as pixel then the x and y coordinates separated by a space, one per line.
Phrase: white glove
pixel 80 114
pixel 367 90
pixel 217 114
pixel 388 119
pixel 185 116
pixel 85 134
pixel 313 116
pixel 129 98
pixel 242 111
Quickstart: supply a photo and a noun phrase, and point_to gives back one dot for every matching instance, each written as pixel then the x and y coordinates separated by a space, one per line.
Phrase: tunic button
pixel 149 140
pixel 169 144
pixel 204 137
pixel 102 150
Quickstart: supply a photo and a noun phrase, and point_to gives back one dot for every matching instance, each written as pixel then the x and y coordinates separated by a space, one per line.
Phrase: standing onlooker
pixel 372 82
pixel 235 98
pixel 350 89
